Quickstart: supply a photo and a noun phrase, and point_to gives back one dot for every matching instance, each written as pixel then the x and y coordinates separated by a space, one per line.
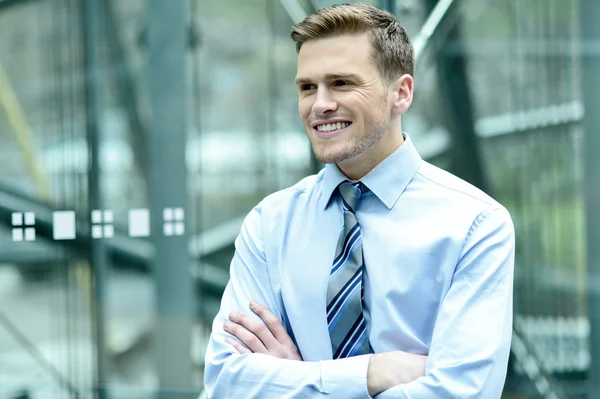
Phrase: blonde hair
pixel 391 51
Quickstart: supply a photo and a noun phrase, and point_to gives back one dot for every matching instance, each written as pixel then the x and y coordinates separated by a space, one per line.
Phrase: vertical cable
pixel 272 164
pixel 560 170
pixel 196 200
pixel 58 59
pixel 92 29
pixel 70 343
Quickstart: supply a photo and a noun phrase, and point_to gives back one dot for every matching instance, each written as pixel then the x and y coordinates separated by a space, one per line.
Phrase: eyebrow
pixel 330 76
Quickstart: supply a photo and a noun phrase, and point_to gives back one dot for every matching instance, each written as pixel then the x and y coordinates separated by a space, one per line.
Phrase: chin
pixel 330 154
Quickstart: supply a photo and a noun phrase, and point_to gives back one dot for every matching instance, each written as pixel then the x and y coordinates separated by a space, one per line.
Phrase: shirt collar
pixel 387 180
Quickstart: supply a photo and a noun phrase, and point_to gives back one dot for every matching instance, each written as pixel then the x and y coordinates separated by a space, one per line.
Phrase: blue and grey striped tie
pixel 347 326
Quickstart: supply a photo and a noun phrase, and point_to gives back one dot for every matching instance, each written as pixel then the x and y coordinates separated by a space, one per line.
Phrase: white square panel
pixel 30 234
pixel 17 219
pixel 179 228
pixel 108 216
pixel 96 216
pixel 63 225
pixel 168 214
pixel 168 229
pixel 17 234
pixel 139 223
pixel 97 231
pixel 29 218
pixel 179 214
pixel 109 231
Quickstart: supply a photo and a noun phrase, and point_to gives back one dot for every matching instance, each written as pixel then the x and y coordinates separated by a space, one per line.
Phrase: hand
pixel 271 339
pixel 388 369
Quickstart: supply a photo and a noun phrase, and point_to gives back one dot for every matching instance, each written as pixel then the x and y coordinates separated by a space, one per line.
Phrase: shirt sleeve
pixel 228 374
pixel 468 357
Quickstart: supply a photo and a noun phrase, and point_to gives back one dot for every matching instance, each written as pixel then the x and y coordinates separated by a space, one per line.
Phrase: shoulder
pixel 271 215
pixel 456 200
pixel 452 188
pixel 283 199
pixel 291 198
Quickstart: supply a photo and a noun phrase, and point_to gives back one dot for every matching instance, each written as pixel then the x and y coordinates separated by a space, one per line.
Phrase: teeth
pixel 332 126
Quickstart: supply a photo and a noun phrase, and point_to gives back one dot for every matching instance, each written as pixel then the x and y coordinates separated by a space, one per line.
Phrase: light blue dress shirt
pixel 439 257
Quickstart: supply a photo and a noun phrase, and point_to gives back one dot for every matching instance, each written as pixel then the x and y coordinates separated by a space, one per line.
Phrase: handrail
pixel 37 356
pixel 430 26
pixel 5 4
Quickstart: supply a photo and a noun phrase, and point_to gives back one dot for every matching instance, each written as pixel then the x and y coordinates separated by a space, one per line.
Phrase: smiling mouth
pixel 332 127
pixel 331 132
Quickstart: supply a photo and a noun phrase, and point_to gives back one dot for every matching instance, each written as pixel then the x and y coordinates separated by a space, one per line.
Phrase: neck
pixel 358 167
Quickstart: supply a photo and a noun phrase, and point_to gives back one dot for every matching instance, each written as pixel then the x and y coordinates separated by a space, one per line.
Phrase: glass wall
pixel 135 137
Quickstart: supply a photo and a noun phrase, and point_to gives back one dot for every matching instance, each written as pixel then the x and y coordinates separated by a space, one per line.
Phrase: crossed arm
pixel 275 368
pixel 467 358
pixel 385 370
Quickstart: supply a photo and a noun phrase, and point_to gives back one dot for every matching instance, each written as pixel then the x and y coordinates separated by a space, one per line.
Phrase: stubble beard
pixel 356 145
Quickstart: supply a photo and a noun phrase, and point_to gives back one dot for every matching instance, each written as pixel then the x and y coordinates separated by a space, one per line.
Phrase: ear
pixel 402 94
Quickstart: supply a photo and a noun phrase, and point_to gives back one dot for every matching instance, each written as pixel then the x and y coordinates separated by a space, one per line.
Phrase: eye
pixel 307 86
pixel 342 83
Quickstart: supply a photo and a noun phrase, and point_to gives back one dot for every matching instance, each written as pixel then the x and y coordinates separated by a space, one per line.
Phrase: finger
pixel 273 323
pixel 249 339
pixel 256 327
pixel 237 346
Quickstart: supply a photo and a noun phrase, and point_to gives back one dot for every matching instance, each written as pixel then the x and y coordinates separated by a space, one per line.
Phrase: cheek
pixel 304 107
pixel 376 108
pixel 365 103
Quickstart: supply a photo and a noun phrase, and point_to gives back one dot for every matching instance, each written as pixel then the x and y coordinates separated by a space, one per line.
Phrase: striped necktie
pixel 347 326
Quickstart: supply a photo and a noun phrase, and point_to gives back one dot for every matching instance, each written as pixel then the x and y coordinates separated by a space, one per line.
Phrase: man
pixel 382 275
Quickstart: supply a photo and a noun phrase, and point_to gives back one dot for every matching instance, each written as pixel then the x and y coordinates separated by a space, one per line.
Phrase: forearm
pixel 479 380
pixel 262 376
pixel 389 369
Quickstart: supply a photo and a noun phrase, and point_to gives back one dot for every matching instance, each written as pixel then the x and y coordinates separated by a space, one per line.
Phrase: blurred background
pixel 135 135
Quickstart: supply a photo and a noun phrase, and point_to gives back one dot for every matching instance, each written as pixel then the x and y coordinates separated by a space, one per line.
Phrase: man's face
pixel 338 82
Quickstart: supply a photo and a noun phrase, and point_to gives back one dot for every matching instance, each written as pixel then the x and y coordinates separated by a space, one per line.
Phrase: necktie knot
pixel 351 193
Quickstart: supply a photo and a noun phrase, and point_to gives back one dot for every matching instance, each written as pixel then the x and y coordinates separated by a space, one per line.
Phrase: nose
pixel 324 102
